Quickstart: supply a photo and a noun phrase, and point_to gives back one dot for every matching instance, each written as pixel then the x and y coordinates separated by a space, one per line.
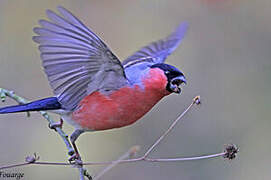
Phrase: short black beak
pixel 175 84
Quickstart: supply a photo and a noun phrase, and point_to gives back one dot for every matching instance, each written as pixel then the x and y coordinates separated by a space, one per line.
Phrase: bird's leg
pixel 73 138
pixel 56 124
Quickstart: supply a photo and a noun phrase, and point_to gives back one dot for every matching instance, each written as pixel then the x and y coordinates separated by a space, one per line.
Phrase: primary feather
pixel 73 56
pixel 157 51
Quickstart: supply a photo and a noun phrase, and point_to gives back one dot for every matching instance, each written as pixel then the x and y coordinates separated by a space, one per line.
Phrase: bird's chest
pixel 121 108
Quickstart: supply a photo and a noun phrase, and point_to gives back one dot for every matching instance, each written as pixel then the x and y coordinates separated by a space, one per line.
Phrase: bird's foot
pixel 56 124
pixel 76 159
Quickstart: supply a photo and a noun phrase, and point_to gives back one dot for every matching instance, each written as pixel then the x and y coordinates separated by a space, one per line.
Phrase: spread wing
pixel 158 51
pixel 75 60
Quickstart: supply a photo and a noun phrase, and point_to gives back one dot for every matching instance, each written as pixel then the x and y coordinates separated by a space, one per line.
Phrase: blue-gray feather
pixel 158 51
pixel 72 56
pixel 50 103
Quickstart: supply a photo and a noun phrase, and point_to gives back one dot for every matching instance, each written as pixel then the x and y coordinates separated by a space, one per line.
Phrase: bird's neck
pixel 155 82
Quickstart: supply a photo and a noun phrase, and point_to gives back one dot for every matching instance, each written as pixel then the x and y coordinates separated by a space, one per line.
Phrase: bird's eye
pixel 167 72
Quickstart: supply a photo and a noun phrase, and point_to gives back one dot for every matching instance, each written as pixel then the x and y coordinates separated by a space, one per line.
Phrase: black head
pixel 174 76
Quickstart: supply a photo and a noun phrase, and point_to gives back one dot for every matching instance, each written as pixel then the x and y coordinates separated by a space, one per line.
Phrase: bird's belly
pixel 121 108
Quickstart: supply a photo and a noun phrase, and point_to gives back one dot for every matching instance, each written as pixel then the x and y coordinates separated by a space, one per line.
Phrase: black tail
pixel 50 103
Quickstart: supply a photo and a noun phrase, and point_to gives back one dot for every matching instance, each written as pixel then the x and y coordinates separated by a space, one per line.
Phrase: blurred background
pixel 225 57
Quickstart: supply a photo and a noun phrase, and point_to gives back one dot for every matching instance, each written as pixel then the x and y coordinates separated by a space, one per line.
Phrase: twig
pixel 131 153
pixel 14 165
pixel 81 172
pixel 229 152
pixel 196 100
pixel 186 158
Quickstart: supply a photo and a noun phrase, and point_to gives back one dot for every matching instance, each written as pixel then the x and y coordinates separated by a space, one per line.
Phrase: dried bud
pixel 32 159
pixel 196 100
pixel 133 151
pixel 230 151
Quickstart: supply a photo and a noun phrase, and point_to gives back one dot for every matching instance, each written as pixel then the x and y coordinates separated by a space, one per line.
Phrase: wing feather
pixel 158 51
pixel 72 56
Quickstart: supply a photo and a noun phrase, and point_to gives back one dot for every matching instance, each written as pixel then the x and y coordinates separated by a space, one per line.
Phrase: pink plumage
pixel 123 107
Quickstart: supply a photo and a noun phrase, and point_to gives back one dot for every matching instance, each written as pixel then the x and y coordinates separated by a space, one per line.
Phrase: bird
pixel 93 89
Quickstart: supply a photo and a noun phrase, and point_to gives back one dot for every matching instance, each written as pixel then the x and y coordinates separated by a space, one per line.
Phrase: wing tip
pixel 36 39
pixel 182 28
pixel 41 22
pixel 184 24
pixel 37 30
pixel 61 9
pixel 49 12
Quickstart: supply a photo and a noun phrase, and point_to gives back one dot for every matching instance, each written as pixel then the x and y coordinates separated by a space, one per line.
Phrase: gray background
pixel 225 56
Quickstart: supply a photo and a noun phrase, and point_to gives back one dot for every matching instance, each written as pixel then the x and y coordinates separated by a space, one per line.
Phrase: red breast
pixel 122 107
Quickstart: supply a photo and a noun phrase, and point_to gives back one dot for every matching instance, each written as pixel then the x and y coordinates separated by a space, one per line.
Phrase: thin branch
pixel 196 100
pixel 186 158
pixel 15 165
pixel 82 173
pixel 129 154
pixel 228 154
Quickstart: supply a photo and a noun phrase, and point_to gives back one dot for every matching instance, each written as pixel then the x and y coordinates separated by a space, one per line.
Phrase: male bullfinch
pixel 93 89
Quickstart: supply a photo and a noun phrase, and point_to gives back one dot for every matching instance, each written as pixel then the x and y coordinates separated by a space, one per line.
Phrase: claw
pixel 56 124
pixel 76 159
